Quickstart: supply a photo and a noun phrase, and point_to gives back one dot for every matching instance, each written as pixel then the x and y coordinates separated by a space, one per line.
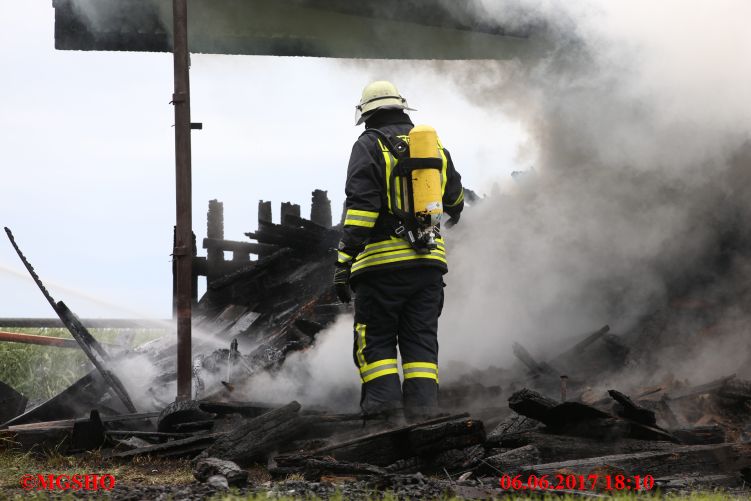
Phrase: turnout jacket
pixel 368 240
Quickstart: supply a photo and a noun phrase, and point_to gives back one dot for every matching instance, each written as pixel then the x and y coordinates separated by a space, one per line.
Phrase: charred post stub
pixel 264 212
pixel 215 230
pixel 320 208
pixel 564 387
pixel 289 209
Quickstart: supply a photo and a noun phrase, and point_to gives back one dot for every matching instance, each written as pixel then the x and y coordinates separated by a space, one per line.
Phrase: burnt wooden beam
pixel 697 435
pixel 190 446
pixel 691 459
pixel 259 436
pixel 251 271
pixel 89 345
pixel 576 350
pixel 626 408
pixel 535 367
pixel 576 418
pixel 246 409
pixel 553 447
pixel 531 404
pixel 235 246
pixel 387 447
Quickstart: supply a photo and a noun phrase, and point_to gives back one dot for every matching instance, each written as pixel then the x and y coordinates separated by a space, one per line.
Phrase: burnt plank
pixel 697 435
pixel 626 408
pixel 181 447
pixel 428 437
pixel 259 436
pixel 691 459
pixel 89 345
pixel 531 404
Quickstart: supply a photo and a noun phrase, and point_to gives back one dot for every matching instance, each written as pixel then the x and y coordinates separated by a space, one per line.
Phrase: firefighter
pixel 394 262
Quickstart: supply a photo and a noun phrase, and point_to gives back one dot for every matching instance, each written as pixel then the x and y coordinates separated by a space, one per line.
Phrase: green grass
pixel 140 471
pixel 40 372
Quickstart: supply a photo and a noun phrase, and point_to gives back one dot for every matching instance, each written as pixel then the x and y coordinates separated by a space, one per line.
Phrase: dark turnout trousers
pixel 398 307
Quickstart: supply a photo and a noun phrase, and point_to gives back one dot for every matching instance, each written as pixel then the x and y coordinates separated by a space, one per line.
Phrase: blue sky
pixel 87 181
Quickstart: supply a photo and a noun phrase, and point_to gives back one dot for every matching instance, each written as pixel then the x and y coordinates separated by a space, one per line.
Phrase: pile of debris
pixel 538 437
pixel 538 418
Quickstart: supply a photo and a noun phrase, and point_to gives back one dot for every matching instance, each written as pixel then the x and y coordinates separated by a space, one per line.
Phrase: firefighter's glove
pixel 341 282
pixel 454 219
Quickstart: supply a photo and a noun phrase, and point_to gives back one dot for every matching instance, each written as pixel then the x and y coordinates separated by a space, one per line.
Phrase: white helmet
pixel 380 94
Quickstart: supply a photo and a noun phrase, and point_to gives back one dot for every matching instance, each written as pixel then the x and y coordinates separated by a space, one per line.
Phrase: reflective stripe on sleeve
pixel 343 257
pixel 459 199
pixel 363 218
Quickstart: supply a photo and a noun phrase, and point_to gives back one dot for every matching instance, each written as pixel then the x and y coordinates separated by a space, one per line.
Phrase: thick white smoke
pixel 638 120
pixel 637 117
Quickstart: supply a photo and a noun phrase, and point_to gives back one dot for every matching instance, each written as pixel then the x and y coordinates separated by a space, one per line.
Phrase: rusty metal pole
pixel 183 232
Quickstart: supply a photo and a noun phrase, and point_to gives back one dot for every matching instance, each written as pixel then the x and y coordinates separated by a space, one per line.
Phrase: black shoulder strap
pixel 399 148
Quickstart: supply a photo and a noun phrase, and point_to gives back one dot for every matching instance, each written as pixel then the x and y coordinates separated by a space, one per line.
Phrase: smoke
pixel 640 134
pixel 638 120
pixel 324 375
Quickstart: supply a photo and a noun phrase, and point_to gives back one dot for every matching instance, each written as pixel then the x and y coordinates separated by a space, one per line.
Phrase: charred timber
pixel 387 447
pixel 626 408
pixel 692 459
pixel 259 436
pixel 93 350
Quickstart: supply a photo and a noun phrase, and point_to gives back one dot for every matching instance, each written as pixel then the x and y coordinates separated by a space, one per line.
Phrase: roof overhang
pixel 375 29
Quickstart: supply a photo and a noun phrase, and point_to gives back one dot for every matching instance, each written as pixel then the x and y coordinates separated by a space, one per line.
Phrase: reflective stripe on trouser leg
pixel 374 352
pixel 377 369
pixel 427 370
pixel 418 343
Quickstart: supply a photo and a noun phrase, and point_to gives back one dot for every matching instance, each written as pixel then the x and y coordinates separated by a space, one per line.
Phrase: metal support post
pixel 183 233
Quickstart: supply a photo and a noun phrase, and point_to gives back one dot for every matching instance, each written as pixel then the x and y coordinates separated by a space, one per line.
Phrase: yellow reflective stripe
pixel 364 213
pixel 378 363
pixel 427 370
pixel 357 222
pixel 386 260
pixel 343 257
pixel 360 330
pixel 420 365
pixel 399 203
pixel 444 167
pixel 389 165
pixel 395 244
pixel 399 252
pixel 384 372
pixel 427 375
pixel 458 199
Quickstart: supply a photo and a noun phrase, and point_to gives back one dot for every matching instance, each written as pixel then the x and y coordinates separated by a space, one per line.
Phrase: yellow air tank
pixel 426 183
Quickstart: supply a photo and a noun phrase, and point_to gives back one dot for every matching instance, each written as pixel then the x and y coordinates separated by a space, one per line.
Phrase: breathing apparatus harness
pixel 419 167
